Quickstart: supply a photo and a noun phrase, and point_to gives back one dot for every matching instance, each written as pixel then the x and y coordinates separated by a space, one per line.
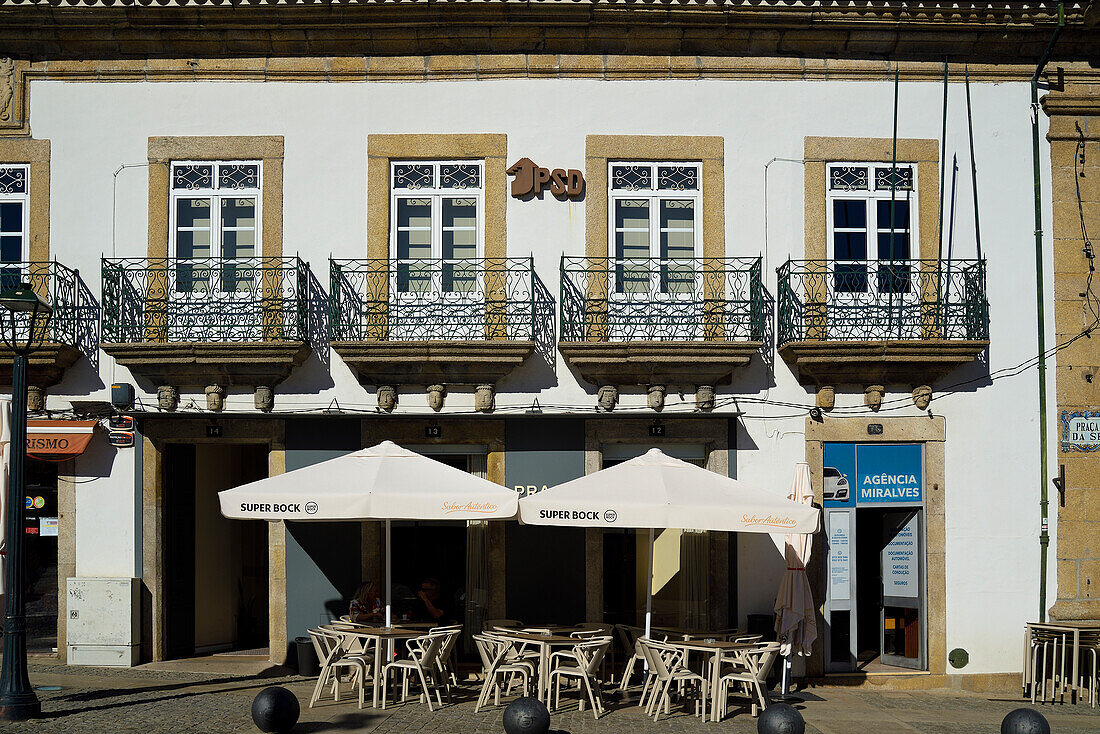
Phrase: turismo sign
pixel 873 474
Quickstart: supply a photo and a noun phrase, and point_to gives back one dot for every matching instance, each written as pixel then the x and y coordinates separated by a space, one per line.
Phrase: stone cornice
pixel 220 28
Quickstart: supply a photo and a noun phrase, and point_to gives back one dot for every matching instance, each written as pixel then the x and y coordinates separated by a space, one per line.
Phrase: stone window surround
pixel 36 155
pixel 932 433
pixel 599 150
pixel 820 151
pixel 492 148
pixel 268 149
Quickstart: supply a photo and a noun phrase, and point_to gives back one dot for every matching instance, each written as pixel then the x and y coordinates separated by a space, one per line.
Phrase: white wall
pixel 992 462
pixel 106 512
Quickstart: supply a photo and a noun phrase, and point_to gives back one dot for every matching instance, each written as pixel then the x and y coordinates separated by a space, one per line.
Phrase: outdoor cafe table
pixel 376 635
pixel 715 650
pixel 1070 628
pixel 545 643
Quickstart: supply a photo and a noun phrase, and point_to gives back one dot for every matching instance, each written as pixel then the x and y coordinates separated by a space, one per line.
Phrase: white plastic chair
pixel 423 656
pixel 666 667
pixel 751 668
pixel 334 659
pixel 582 663
pixel 495 663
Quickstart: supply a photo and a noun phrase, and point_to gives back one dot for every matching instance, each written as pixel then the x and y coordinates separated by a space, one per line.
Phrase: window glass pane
pixel 11 216
pixel 850 278
pixel 238 277
pixel 11 249
pixel 631 178
pixel 459 176
pixel 10 278
pixel 678 178
pixel 191 177
pixel 849 214
pixel 13 180
pixel 899 250
pixel 460 277
pixel 893 277
pixel 901 214
pixel 414 229
pixel 192 278
pixel 632 228
pixel 903 180
pixel 192 228
pixel 413 176
pixel 632 245
pixel 459 228
pixel 849 245
pixel 677 229
pixel 848 178
pixel 238 228
pixel 238 176
pixel 415 277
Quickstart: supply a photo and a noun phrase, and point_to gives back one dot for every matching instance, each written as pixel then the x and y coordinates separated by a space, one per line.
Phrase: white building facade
pixel 532 265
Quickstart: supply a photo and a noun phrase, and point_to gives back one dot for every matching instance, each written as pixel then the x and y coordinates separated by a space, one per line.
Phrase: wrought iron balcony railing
pixel 422 300
pixel 899 300
pixel 655 299
pixel 74 320
pixel 209 300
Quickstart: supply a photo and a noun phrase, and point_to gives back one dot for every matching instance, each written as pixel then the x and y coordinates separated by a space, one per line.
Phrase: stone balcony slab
pixel 187 364
pixel 430 362
pixel 915 362
pixel 658 362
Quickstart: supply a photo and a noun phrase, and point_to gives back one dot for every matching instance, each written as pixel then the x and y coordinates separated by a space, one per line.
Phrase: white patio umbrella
pixel 657 491
pixel 795 621
pixel 5 456
pixel 384 482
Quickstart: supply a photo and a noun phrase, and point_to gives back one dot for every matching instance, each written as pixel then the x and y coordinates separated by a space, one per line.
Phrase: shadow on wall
pixel 80 379
pixel 311 377
pixel 318 332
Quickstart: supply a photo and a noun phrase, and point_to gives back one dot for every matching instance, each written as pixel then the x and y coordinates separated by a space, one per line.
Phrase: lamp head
pixel 23 300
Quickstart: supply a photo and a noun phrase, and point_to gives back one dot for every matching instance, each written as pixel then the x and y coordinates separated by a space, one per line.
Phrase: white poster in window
pixel 901 565
pixel 840 557
pixel 47 526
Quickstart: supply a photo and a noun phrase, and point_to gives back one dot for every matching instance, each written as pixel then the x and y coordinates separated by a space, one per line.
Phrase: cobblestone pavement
pixel 148 701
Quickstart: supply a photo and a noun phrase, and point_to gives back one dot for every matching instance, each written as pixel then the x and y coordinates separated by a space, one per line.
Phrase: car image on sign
pixel 835 488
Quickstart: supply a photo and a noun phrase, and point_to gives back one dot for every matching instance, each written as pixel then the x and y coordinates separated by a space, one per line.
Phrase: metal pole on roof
pixel 973 167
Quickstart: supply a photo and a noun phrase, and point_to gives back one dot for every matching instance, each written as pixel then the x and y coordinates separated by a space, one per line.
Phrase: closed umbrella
pixel 795 620
pixel 384 482
pixel 658 491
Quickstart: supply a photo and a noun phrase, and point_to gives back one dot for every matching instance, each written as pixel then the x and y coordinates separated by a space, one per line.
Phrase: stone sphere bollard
pixel 780 718
pixel 1025 721
pixel 526 715
pixel 275 709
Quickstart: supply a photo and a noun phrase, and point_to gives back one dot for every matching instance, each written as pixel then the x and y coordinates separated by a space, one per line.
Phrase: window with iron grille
pixel 215 237
pixel 653 222
pixel 870 242
pixel 14 188
pixel 436 227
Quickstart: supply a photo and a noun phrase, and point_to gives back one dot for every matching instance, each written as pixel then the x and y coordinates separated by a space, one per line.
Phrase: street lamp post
pixel 27 320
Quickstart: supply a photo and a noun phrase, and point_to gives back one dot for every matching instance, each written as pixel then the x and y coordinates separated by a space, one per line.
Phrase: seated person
pixel 365 606
pixel 428 607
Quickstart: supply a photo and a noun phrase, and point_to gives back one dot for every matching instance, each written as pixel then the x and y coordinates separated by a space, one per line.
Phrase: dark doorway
pixel 40 556
pixel 215 569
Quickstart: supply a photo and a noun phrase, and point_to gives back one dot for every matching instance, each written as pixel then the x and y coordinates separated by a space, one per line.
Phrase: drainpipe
pixel 1044 537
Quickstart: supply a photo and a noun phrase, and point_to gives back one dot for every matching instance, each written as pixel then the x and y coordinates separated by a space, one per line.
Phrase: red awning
pixel 58 440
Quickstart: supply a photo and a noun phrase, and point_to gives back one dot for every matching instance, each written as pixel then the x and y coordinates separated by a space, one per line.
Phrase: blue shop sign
pixel 890 474
pixel 873 474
